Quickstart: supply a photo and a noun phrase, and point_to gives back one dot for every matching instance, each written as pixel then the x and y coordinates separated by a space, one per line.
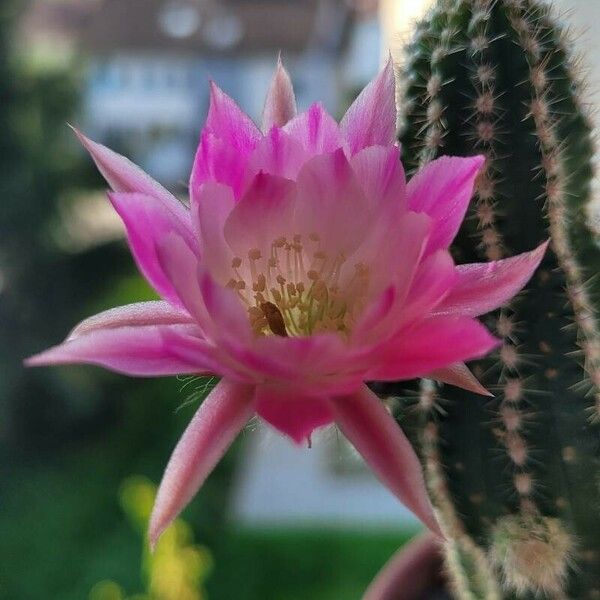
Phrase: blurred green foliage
pixel 177 568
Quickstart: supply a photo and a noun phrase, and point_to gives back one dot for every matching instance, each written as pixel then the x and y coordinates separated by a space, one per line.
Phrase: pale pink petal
pixel 313 365
pixel 278 153
pixel 432 282
pixel 148 220
pixel 483 287
pixel 332 204
pixel 459 375
pixel 138 351
pixel 123 176
pixel 371 120
pixel 443 190
pixel 420 286
pixel 375 434
pixel 292 413
pixel 432 344
pixel 280 105
pixel 316 130
pixel 154 312
pixel 413 573
pixel 381 175
pixel 217 161
pixel 215 425
pixel 214 202
pixel 264 214
pixel 229 318
pixel 180 266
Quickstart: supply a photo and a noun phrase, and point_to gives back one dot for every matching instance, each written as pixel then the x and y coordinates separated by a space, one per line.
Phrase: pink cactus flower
pixel 305 266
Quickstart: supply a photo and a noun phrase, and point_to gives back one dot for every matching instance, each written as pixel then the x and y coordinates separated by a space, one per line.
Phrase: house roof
pixel 206 26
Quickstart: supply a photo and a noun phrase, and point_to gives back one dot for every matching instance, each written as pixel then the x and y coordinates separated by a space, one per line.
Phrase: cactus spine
pixel 516 480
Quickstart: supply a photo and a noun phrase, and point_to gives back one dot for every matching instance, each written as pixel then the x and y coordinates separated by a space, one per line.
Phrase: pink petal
pixel 375 434
pixel 215 425
pixel 443 190
pixel 433 280
pixel 210 209
pixel 148 220
pixel 432 344
pixel 229 318
pixel 132 315
pixel 332 204
pixel 460 376
pixel 264 214
pixel 138 351
pixel 404 235
pixel 280 106
pixel 180 266
pixel 294 414
pixel 316 130
pixel 371 120
pixel 412 573
pixel 278 153
pixel 381 175
pixel 483 287
pixel 228 138
pixel 229 123
pixel 220 162
pixel 123 176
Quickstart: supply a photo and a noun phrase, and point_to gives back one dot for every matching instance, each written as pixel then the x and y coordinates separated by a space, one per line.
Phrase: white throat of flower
pixel 299 289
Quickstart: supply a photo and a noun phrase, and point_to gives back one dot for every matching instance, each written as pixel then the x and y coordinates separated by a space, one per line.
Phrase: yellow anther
pixel 254 254
pixel 236 262
pixel 280 279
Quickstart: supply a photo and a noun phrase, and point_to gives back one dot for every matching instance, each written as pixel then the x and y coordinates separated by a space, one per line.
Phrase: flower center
pixel 299 289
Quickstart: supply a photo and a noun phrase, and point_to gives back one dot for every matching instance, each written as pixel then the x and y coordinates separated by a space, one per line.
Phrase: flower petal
pixel 432 344
pixel 332 204
pixel 280 105
pixel 483 287
pixel 264 214
pixel 371 120
pixel 148 220
pixel 217 161
pixel 293 413
pixel 443 190
pixel 375 434
pixel 459 375
pixel 180 266
pixel 412 573
pixel 215 425
pixel 212 206
pixel 228 138
pixel 228 122
pixel 139 351
pixel 229 319
pixel 316 130
pixel 278 153
pixel 381 175
pixel 154 312
pixel 123 176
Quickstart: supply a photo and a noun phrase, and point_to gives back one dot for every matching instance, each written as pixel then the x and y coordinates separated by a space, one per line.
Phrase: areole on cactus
pixel 515 479
pixel 305 266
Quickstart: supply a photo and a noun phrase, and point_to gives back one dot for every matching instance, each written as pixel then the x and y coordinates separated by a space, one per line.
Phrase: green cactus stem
pixel 515 479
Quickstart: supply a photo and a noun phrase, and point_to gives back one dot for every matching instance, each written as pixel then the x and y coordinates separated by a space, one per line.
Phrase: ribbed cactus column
pixel 516 479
